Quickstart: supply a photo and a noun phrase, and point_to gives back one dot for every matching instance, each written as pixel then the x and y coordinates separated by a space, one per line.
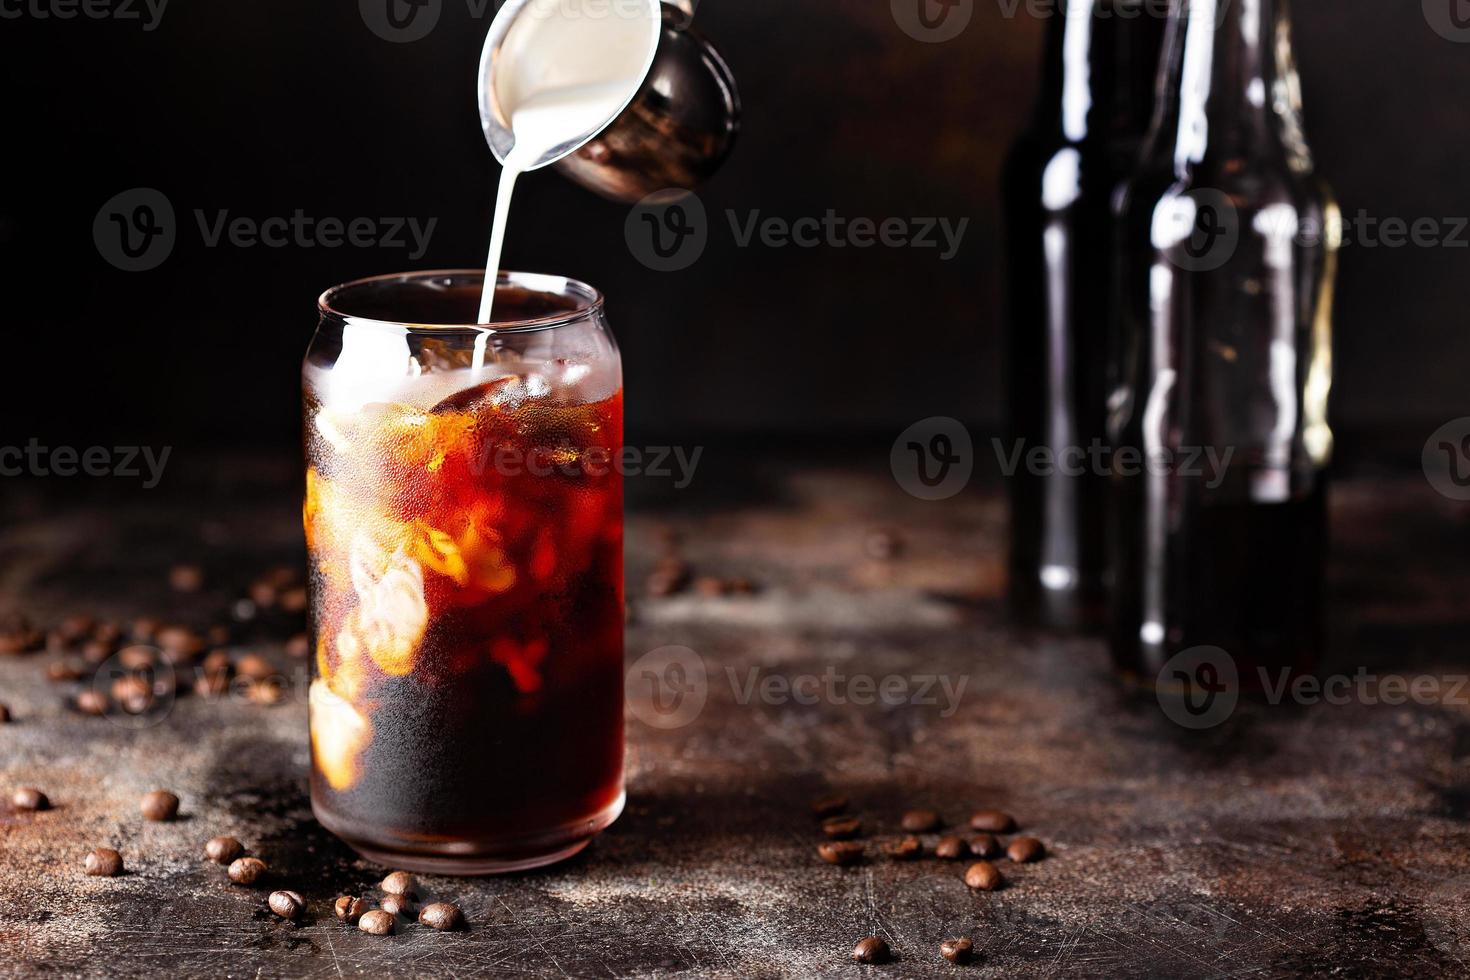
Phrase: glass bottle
pixel 1098 73
pixel 1219 418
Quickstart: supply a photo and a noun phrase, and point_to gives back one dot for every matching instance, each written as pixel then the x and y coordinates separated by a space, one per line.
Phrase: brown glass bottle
pixel 1098 76
pixel 1226 261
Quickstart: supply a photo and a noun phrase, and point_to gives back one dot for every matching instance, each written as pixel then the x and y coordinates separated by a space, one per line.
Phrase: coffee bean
pixel 255 667
pixel 1024 850
pixel 180 643
pixel 104 862
pixel 298 647
pixel 871 950
pixel 904 849
pixel 842 828
pixel 398 883
pixel 920 821
pixel 159 805
pixel 951 848
pixel 443 916
pixel 246 870
pixel 218 662
pixel 288 905
pixel 4 714
pixel 18 636
pixel 95 652
pixel 376 923
pixel 992 821
pixel 350 909
pixel 90 702
pixel 957 950
pixel 137 657
pixel 829 806
pixel 982 876
pixel 29 798
pixel 218 635
pixel 186 578
pixel 397 905
pixel 145 629
pixel 293 600
pixel 61 671
pixel 984 846
pixel 74 629
pixel 883 544
pixel 263 594
pixel 840 852
pixel 267 692
pixel 211 685
pixel 708 585
pixel 131 688
pixel 223 850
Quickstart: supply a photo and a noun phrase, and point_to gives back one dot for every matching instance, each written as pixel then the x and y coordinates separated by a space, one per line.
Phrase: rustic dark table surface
pixel 1319 839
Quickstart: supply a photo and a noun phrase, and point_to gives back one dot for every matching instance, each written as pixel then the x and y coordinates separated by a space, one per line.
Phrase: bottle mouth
pixel 449 300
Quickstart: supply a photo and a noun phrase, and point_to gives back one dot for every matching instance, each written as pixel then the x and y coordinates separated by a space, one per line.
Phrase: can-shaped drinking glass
pixel 464 525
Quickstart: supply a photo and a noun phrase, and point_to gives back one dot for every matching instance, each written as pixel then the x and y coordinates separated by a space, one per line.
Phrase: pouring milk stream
pixel 564 70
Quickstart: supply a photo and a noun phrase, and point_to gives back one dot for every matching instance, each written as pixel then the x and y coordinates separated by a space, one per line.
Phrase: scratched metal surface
pixel 1302 841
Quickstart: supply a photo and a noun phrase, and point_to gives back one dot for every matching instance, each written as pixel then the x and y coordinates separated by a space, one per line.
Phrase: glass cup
pixel 464 523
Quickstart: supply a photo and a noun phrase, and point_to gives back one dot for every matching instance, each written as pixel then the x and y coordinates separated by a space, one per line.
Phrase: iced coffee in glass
pixel 464 521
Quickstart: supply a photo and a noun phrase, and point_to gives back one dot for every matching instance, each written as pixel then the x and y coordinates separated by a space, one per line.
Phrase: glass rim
pixel 588 298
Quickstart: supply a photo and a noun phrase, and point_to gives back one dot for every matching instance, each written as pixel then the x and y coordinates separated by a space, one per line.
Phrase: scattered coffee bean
pixel 298 647
pixel 288 905
pixel 920 821
pixel 255 667
pixel 883 544
pixel 708 585
pixel 4 714
pixel 267 692
pixel 223 850
pixel 350 909
pixel 104 862
pixel 984 846
pixel 131 687
pixel 398 883
pixel 376 922
pixel 91 702
pixel 293 600
pixel 137 657
pixel 145 629
pixel 29 798
pixel 74 629
pixel 218 662
pixel 18 636
pixel 107 632
pixel 829 806
pixel 957 950
pixel 397 905
pixel 992 821
pixel 1024 850
pixel 840 852
pixel 186 578
pixel 904 849
pixel 218 635
pixel 159 805
pixel 263 594
pixel 982 876
pixel 180 643
pixel 212 685
pixel 96 652
pixel 246 870
pixel 62 671
pixel 443 916
pixel 951 848
pixel 842 828
pixel 871 950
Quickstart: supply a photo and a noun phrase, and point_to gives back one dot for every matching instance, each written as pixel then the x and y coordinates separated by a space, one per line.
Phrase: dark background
pixel 265 107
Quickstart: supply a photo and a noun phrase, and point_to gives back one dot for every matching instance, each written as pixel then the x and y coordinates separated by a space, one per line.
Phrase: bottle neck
pixel 1097 51
pixel 1230 80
